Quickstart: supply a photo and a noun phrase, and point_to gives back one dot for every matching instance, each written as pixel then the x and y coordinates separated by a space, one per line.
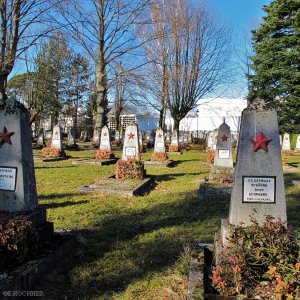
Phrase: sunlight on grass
pixel 134 246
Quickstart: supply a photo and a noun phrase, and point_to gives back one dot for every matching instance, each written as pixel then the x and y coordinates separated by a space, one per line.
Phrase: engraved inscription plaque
pixel 259 189
pixel 8 178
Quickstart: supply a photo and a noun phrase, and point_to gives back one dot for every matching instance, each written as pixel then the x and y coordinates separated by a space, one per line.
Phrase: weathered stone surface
pixel 159 145
pixel 105 143
pixel 258 183
pixel 17 180
pixel 286 144
pixel 174 139
pixel 298 143
pixel 72 137
pixel 57 138
pixel 131 148
pixel 223 154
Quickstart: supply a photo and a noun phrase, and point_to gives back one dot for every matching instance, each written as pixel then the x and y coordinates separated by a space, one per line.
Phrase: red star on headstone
pixel 224 138
pixel 56 132
pixel 159 135
pixel 260 142
pixel 130 135
pixel 105 133
pixel 5 136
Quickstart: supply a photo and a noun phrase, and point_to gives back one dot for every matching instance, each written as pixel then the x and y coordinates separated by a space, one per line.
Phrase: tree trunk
pixel 3 80
pixel 176 125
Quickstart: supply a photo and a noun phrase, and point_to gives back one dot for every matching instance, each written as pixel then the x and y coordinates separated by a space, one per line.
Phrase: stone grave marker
pixel 48 134
pixel 159 145
pixel 298 143
pixel 174 139
pixel 210 140
pixel 117 136
pixel 131 147
pixel 105 143
pixel 223 154
pixel 96 137
pixel 17 180
pixel 57 138
pixel 286 144
pixel 72 137
pixel 40 139
pixel 258 184
pixel 280 140
pixel 168 138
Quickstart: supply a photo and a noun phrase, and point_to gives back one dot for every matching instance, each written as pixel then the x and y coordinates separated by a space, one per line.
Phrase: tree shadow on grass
pixel 62 204
pixel 167 177
pixel 289 178
pixel 127 246
pixel 55 167
pixel 57 196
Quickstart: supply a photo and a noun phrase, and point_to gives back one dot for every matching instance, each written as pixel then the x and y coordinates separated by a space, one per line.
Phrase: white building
pixel 210 113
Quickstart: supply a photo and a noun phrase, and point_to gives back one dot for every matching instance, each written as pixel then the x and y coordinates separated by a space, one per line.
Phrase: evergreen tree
pixel 276 61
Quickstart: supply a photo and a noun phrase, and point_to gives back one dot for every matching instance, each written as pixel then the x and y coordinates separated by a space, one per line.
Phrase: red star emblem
pixel 56 132
pixel 130 135
pixel 260 142
pixel 5 136
pixel 105 133
pixel 159 135
pixel 224 138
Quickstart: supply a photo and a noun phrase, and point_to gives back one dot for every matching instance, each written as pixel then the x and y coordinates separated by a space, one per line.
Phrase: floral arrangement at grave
pixel 159 156
pixel 174 148
pixel 210 156
pixel 51 152
pixel 104 154
pixel 260 261
pixel 284 158
pixel 130 169
pixel 19 240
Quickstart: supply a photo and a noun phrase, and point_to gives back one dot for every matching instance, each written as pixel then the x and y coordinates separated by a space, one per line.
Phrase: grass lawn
pixel 134 247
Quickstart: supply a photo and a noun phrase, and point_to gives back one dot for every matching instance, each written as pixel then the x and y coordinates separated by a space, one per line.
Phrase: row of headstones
pixel 286 144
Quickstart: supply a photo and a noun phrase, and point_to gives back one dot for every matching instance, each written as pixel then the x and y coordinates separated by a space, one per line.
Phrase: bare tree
pixel 196 47
pixel 105 30
pixel 23 22
pixel 154 78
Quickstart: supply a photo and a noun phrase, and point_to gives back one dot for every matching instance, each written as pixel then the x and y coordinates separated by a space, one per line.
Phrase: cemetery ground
pixel 134 247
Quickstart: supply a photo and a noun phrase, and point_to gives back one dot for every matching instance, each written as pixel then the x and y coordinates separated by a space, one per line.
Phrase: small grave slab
pixel 158 163
pixel 174 153
pixel 124 187
pixel 28 274
pixel 98 162
pixel 214 191
pixel 51 159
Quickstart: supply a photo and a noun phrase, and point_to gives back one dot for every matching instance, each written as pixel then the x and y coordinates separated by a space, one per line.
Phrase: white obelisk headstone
pixel 105 139
pixel 131 148
pixel 286 144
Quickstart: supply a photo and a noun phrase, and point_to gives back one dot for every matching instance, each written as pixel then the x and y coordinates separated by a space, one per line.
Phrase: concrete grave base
pixel 26 276
pixel 158 163
pixel 98 162
pixel 213 191
pixel 124 187
pixel 175 153
pixel 50 159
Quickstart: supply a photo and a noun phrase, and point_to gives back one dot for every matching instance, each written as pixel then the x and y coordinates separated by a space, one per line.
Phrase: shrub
pixel 173 148
pixel 104 154
pixel 210 156
pixel 159 156
pixel 130 169
pixel 18 240
pixel 51 152
pixel 270 252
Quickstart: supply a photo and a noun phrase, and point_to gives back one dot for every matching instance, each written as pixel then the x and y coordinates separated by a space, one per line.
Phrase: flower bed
pixel 260 261
pixel 210 156
pixel 130 169
pixel 173 148
pixel 19 240
pixel 104 154
pixel 159 156
pixel 51 152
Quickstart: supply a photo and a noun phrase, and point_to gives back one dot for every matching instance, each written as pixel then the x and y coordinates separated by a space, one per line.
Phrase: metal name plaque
pixel 259 189
pixel 8 179
pixel 129 151
pixel 223 153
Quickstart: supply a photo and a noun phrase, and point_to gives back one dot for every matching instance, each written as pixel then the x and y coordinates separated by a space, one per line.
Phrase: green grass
pixel 135 246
